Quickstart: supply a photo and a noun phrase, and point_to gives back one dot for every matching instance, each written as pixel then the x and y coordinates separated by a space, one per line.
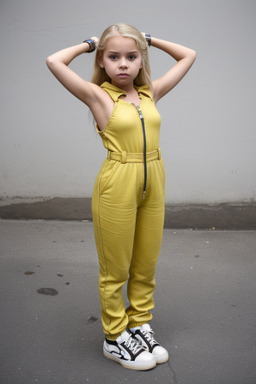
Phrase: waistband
pixel 125 157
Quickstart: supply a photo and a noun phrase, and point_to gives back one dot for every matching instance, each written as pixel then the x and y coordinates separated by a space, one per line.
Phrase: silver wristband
pixel 92 45
pixel 148 38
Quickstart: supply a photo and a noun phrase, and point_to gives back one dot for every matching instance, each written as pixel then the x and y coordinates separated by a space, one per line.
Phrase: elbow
pixel 51 62
pixel 193 55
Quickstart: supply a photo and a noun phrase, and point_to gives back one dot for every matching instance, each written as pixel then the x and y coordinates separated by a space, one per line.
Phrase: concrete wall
pixel 48 146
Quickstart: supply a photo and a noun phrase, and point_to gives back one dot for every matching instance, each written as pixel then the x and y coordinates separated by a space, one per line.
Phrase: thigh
pixel 148 238
pixel 114 217
pixel 150 220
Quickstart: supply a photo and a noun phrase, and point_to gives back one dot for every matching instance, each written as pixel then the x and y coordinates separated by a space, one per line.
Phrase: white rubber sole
pixel 137 366
pixel 162 359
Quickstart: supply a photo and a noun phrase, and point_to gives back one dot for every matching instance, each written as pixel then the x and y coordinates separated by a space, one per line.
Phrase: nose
pixel 123 63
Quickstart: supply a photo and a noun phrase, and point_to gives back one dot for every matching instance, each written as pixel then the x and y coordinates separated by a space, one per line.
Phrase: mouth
pixel 123 75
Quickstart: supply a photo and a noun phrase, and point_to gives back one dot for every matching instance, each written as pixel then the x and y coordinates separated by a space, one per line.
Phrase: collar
pixel 117 92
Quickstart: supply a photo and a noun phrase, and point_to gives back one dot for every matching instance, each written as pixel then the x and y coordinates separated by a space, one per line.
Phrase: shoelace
pixel 133 344
pixel 149 336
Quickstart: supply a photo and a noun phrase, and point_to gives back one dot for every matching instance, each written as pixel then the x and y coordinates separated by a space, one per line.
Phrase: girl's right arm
pixel 58 65
pixel 91 94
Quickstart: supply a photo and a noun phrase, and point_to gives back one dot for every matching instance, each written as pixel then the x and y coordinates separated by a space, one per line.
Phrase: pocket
pixel 108 175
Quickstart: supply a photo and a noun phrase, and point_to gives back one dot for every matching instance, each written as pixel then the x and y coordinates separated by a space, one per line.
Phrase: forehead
pixel 121 44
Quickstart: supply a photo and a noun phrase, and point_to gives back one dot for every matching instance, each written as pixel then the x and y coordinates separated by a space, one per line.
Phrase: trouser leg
pixel 114 216
pixel 147 244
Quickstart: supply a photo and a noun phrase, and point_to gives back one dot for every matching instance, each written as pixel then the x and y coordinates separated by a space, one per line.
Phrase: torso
pixel 103 110
pixel 122 130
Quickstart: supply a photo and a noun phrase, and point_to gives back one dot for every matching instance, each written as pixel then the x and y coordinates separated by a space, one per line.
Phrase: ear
pixel 100 62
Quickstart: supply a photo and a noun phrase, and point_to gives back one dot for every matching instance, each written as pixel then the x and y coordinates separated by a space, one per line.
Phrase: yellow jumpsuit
pixel 128 211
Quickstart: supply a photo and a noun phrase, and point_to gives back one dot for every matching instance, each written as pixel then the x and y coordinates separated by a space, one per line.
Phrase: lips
pixel 123 75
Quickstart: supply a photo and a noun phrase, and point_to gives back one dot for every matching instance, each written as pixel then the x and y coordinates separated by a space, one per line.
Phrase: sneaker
pixel 127 351
pixel 145 336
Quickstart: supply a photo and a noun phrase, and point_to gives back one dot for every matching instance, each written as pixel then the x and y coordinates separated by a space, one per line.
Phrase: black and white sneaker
pixel 127 351
pixel 145 336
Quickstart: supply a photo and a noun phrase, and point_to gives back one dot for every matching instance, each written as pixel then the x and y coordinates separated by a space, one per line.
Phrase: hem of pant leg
pixel 137 324
pixel 113 337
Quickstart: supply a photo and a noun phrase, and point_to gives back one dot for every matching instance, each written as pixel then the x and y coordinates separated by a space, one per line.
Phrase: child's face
pixel 121 61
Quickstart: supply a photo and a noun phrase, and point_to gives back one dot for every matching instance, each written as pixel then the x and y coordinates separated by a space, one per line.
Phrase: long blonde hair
pixel 125 30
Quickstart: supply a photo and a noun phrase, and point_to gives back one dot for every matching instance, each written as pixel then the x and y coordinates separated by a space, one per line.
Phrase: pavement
pixel 51 333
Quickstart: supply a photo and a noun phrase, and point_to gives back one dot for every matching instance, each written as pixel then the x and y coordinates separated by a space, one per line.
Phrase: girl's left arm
pixel 184 56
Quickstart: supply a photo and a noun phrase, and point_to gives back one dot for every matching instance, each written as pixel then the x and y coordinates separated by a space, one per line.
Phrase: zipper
pixel 144 148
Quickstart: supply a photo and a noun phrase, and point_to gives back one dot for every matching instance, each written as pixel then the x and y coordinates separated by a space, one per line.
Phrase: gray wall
pixel 48 146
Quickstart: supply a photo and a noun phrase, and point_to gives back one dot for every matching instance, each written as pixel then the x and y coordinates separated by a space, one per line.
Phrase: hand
pixel 96 39
pixel 147 37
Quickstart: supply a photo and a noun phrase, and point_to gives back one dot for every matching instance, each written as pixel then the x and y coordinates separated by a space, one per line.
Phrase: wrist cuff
pixel 92 45
pixel 148 38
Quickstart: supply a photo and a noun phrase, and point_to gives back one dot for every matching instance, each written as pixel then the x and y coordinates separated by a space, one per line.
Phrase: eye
pixel 113 57
pixel 132 57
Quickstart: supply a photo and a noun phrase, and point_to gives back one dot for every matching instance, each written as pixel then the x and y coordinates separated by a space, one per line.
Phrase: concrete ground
pixel 51 333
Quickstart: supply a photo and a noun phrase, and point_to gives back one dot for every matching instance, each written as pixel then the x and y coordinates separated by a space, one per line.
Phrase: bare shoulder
pixel 94 94
pixel 100 104
pixel 97 95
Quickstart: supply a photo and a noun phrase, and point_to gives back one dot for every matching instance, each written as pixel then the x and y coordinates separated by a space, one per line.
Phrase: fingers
pixel 96 39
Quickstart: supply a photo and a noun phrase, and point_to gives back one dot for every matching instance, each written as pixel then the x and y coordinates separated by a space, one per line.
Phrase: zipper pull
pixel 138 109
pixel 140 112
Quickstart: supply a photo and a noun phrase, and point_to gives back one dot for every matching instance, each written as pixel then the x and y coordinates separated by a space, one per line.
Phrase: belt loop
pixel 123 157
pixel 159 153
pixel 109 155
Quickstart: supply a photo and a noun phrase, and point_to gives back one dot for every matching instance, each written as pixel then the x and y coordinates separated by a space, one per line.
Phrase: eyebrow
pixel 114 52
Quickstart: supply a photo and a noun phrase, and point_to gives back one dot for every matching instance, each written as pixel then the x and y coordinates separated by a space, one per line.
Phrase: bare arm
pixel 184 56
pixel 100 104
pixel 58 65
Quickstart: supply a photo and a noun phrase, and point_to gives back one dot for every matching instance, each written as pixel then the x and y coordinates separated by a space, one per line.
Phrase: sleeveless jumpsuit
pixel 128 211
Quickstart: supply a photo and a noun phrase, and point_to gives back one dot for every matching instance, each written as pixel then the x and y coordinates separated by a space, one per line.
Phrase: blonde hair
pixel 125 30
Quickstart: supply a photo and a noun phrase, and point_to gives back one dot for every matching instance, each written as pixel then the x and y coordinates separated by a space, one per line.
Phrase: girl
pixel 128 197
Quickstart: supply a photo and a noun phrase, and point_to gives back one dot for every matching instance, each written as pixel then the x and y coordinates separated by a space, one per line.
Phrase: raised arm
pixel 58 65
pixel 184 56
pixel 100 104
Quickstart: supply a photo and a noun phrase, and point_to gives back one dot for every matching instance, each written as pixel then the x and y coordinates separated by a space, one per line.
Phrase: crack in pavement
pixel 174 376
